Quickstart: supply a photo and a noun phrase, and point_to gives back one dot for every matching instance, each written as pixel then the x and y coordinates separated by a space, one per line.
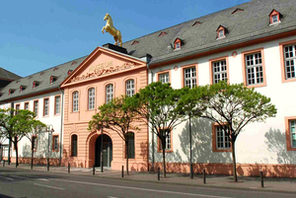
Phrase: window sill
pixel 289 80
pixel 256 85
pixel 221 150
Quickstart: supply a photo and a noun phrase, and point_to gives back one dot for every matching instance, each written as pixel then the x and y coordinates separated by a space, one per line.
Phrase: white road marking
pixel 143 189
pixel 7 178
pixel 43 179
pixel 111 197
pixel 47 186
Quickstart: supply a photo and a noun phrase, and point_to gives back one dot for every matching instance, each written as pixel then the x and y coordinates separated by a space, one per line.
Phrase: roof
pixel 7 75
pixel 43 79
pixel 249 23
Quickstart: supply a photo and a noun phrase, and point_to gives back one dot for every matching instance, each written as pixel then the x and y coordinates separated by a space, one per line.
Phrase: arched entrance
pixel 107 151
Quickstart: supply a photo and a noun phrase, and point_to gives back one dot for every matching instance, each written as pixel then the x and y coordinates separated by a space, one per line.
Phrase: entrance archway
pixel 107 151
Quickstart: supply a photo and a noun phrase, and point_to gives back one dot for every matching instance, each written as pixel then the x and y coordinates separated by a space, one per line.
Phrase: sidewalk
pixel 250 183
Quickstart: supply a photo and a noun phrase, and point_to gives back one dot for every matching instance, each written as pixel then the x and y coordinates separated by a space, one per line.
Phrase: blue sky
pixel 38 34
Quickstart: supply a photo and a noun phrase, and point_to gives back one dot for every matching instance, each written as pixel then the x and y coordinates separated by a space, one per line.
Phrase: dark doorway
pixel 107 151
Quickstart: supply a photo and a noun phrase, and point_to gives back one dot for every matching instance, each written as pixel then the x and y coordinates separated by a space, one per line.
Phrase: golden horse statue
pixel 112 30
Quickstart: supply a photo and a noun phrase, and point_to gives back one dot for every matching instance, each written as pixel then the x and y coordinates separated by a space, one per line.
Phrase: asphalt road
pixel 31 184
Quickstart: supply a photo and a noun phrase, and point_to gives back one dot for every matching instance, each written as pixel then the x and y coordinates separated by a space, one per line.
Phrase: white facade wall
pixel 258 143
pixel 55 120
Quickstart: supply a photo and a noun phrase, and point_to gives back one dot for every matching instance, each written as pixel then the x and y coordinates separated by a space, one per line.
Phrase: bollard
pixel 204 176
pixel 3 163
pixel 122 171
pixel 191 171
pixel 158 173
pixel 261 177
pixel 94 170
pixel 69 167
pixel 47 166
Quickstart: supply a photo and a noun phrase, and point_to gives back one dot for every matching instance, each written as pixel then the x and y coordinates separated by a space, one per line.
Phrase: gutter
pixel 62 125
pixel 148 59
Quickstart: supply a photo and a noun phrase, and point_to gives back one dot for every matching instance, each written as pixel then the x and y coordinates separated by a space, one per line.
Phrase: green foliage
pixel 16 124
pixel 158 104
pixel 236 106
pixel 116 115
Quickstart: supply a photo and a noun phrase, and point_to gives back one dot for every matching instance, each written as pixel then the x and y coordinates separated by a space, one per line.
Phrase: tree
pixel 117 115
pixel 157 105
pixel 36 129
pixel 6 131
pixel 191 104
pixel 17 124
pixel 234 106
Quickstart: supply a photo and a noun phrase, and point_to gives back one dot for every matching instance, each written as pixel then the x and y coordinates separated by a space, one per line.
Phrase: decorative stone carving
pixel 103 69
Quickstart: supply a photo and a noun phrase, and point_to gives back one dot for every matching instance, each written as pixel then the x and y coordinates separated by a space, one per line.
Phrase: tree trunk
pixel 190 145
pixel 127 157
pixel 32 154
pixel 234 160
pixel 9 151
pixel 163 157
pixel 16 154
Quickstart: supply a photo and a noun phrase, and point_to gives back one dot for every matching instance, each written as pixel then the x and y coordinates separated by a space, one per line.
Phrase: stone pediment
pixel 102 63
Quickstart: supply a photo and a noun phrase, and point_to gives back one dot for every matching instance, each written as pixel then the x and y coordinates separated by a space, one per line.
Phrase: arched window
pixel 109 92
pixel 91 98
pixel 75 100
pixel 74 145
pixel 130 87
pixel 131 144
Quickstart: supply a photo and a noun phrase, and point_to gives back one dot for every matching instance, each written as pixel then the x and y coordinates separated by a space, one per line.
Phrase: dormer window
pixel 177 44
pixel 135 42
pixel 35 84
pixel 22 88
pixel 69 71
pixel 221 32
pixel 274 17
pixel 11 91
pixel 162 34
pixel 52 79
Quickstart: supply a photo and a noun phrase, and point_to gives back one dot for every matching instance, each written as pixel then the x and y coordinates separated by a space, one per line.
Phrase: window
pixel 55 143
pixel 17 108
pixel 290 60
pixel 131 144
pixel 164 77
pixel 254 69
pixel 274 17
pixel 168 140
pixel 219 70
pixel 221 140
pixel 75 101
pixel 177 44
pixel 74 145
pixel 290 124
pixel 26 106
pixel 45 107
pixel 109 93
pixel 57 105
pixel 34 143
pixel 91 98
pixel 190 77
pixel 130 87
pixel 221 32
pixel 35 107
pixel 292 127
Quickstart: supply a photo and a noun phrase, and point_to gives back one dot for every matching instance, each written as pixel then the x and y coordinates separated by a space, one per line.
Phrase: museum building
pixel 253 43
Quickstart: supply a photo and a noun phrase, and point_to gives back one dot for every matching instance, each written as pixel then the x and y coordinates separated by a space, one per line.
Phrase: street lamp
pixel 50 130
